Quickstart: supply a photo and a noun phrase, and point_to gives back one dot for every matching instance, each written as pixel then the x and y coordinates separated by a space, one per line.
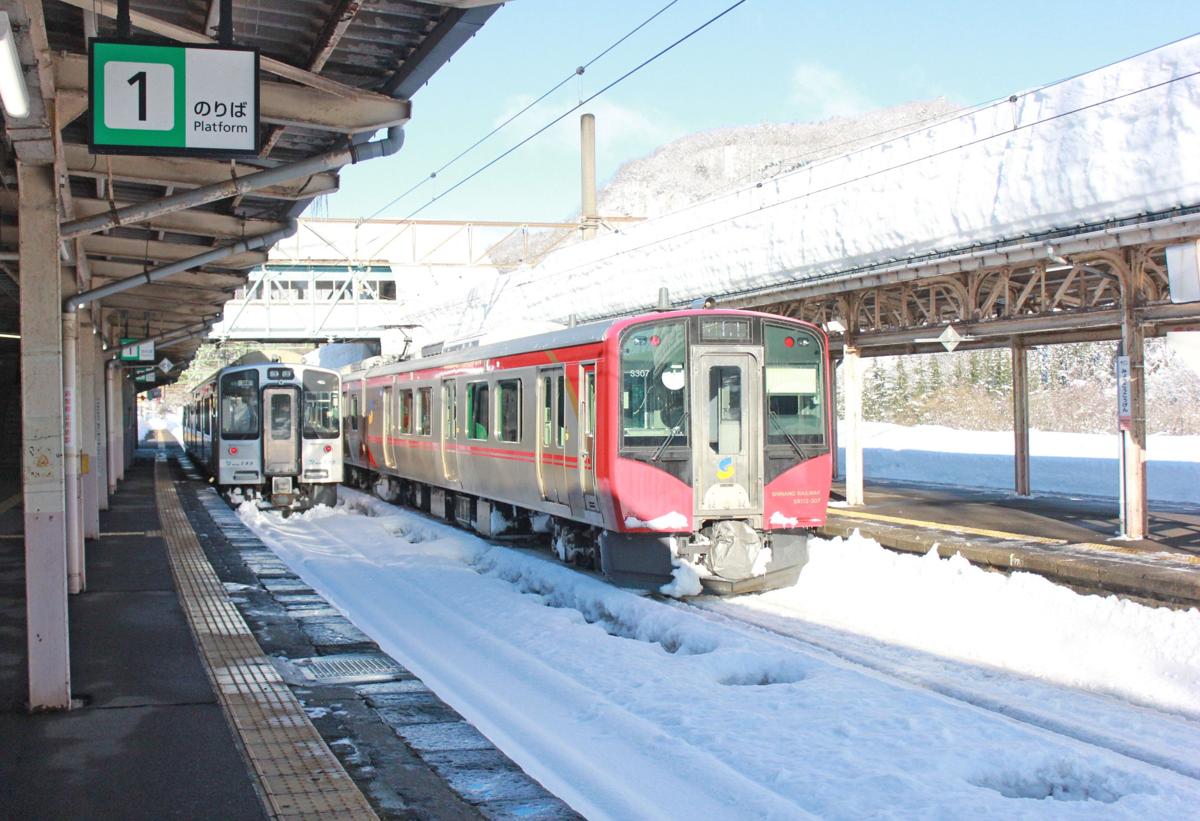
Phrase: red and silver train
pixel 268 432
pixel 695 433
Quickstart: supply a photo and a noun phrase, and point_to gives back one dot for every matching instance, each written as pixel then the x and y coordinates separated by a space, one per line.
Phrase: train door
pixel 587 435
pixel 281 438
pixel 449 433
pixel 389 456
pixel 552 435
pixel 726 449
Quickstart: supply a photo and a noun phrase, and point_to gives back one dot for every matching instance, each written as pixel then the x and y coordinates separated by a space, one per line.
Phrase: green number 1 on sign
pixel 140 79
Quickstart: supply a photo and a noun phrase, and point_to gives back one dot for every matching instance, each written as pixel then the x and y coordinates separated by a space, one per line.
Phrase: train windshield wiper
pixel 795 446
pixel 675 431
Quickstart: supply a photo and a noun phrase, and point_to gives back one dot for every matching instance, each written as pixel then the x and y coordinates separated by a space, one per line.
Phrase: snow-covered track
pixel 629 707
pixel 977 688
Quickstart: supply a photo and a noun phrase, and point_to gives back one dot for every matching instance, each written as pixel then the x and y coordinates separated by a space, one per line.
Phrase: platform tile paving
pixel 486 779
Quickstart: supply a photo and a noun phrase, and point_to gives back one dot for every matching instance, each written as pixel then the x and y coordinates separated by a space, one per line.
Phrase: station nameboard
pixel 199 101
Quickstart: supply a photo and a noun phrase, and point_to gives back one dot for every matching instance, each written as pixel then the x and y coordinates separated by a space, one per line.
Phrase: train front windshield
pixel 240 405
pixel 654 397
pixel 321 406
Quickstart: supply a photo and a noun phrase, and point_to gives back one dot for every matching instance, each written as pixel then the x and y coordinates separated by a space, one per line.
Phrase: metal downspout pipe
pixel 155 274
pixel 71 455
pixel 328 161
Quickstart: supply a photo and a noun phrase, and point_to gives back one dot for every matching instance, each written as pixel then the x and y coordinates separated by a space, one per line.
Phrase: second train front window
pixel 654 401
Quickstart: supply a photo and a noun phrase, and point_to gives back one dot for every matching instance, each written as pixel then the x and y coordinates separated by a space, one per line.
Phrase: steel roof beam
pixel 215 255
pixel 335 26
pixel 200 223
pixel 185 35
pixel 209 280
pixel 158 251
pixel 195 175
pixel 256 182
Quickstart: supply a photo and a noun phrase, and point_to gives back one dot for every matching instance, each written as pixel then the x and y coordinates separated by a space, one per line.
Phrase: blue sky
pixel 765 61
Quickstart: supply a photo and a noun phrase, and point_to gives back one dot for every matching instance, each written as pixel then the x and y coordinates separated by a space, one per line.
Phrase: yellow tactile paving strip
pixel 298 777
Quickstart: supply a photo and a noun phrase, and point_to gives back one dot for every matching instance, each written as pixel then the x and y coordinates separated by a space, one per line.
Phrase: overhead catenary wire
pixel 577 72
pixel 576 107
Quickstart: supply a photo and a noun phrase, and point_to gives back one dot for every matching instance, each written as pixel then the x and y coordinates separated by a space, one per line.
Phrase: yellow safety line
pixel 298 776
pixel 9 503
pixel 974 531
pixel 1020 537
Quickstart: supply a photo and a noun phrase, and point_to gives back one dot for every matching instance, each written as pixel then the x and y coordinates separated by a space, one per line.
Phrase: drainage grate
pixel 349 668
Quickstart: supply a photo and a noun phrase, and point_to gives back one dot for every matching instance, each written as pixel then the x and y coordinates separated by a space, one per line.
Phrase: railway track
pixel 966 683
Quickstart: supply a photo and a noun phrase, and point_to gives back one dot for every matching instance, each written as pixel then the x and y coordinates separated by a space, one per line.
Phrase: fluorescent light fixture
pixel 10 336
pixel 12 79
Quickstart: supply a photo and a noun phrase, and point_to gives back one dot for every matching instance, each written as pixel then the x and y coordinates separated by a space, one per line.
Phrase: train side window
pixel 560 409
pixel 547 410
pixel 450 405
pixel 354 411
pixel 424 409
pixel 477 410
pixel 508 406
pixel 406 411
pixel 590 393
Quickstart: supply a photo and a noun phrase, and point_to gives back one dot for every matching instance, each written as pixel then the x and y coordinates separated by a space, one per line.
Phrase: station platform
pixel 181 648
pixel 1071 541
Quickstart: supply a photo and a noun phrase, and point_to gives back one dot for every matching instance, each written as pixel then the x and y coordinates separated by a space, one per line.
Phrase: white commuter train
pixel 270 432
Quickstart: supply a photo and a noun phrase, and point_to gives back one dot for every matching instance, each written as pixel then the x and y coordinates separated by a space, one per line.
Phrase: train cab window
pixel 477 410
pixel 508 409
pixel 795 386
pixel 239 405
pixel 654 393
pixel 424 425
pixel 406 411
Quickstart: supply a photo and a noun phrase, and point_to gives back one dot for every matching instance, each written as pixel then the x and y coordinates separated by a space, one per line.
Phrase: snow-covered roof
pixel 1109 144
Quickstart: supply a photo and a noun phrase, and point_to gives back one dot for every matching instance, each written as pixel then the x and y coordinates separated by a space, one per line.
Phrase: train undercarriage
pixel 731 557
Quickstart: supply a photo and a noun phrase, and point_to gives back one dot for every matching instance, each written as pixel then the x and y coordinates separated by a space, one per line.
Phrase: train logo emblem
pixel 725 469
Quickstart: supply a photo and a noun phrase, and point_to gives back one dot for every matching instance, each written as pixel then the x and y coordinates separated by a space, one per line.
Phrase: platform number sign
pixel 172 100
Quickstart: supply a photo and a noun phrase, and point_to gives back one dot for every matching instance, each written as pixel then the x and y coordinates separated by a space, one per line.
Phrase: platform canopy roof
pixel 333 72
